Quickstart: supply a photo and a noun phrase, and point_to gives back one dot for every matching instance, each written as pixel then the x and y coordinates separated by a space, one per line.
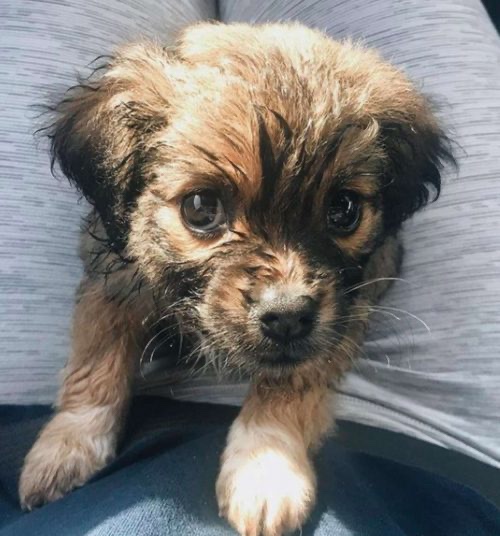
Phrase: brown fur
pixel 279 127
pixel 99 375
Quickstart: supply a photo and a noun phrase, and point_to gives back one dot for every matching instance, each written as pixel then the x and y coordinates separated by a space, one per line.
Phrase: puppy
pixel 248 185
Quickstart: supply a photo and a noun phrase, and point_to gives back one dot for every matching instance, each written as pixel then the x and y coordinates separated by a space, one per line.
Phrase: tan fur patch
pixel 83 435
pixel 266 484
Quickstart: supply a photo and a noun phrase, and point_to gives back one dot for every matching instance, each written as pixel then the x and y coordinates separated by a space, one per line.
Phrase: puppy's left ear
pixel 416 149
pixel 101 133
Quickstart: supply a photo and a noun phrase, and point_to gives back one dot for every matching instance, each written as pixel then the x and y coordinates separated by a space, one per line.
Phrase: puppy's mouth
pixel 284 355
pixel 280 361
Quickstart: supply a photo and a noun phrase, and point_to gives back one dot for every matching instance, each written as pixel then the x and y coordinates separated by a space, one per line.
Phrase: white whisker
pixel 388 310
pixel 373 281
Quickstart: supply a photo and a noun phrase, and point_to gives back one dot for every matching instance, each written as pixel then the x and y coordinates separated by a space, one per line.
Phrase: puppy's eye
pixel 344 214
pixel 203 211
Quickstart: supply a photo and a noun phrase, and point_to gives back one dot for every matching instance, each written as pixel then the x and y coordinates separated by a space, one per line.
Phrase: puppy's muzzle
pixel 286 319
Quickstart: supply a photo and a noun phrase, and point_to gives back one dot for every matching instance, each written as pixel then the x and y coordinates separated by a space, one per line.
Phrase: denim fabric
pixel 163 484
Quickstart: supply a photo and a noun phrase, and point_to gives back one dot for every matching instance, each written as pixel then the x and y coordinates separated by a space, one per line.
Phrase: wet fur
pixel 278 125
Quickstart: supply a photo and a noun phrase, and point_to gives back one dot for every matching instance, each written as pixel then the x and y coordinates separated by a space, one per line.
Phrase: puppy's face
pixel 252 173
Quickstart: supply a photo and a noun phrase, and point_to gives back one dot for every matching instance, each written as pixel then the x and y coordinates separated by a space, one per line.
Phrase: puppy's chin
pixel 264 358
pixel 279 360
pixel 280 366
pixel 277 356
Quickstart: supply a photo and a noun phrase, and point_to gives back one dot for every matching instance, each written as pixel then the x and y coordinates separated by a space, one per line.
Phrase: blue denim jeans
pixel 162 483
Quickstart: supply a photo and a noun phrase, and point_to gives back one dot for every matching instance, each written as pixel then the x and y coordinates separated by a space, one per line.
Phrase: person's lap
pixel 163 483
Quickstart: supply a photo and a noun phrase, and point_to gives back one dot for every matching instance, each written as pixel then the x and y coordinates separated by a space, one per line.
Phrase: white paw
pixel 61 459
pixel 265 492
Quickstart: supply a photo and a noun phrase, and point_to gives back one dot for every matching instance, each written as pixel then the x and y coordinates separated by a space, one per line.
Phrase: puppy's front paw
pixel 265 492
pixel 61 460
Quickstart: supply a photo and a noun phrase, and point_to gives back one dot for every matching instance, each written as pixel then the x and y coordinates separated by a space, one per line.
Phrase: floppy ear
pixel 416 150
pixel 102 128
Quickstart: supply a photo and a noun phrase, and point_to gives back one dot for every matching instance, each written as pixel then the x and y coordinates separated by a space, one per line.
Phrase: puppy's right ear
pixel 101 133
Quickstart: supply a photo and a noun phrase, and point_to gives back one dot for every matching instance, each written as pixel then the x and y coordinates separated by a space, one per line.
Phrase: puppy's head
pixel 256 173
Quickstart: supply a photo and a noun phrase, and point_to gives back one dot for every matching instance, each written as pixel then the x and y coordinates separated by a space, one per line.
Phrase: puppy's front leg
pixel 82 436
pixel 267 483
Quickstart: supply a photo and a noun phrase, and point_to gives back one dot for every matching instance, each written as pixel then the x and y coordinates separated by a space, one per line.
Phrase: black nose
pixel 285 319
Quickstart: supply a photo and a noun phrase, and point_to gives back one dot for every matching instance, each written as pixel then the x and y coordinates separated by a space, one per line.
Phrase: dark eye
pixel 344 213
pixel 203 211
